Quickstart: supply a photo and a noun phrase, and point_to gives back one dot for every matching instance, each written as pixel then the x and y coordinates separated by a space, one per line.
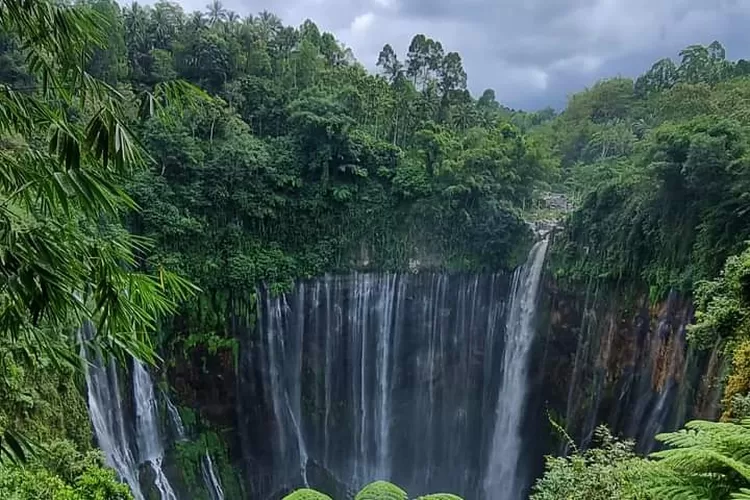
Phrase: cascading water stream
pixel 150 448
pixel 210 479
pixel 174 416
pixel 371 376
pixel 107 417
pixel 282 383
pixel 109 421
pixel 501 480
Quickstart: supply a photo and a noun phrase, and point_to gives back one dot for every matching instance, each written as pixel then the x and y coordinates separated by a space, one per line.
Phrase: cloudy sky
pixel 534 53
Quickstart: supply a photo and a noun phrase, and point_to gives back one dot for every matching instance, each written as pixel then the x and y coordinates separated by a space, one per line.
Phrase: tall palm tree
pixel 216 12
pixel 136 28
pixel 197 21
pixel 268 25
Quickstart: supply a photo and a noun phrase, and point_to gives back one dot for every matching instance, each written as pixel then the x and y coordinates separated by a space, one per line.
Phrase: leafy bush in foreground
pixel 378 490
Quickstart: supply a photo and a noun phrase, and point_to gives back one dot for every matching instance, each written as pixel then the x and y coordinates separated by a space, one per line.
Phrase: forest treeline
pixel 302 162
pixel 667 155
pixel 141 141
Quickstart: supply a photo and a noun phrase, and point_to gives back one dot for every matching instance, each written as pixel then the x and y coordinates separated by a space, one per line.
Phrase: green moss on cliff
pixel 190 456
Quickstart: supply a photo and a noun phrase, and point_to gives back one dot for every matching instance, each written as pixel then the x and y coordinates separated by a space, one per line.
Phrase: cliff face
pixel 611 356
pixel 356 377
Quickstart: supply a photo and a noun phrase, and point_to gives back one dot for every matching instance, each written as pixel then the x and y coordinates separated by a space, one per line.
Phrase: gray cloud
pixel 534 52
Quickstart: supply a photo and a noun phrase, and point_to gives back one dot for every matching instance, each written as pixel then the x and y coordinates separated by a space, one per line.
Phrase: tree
pixel 109 63
pixel 451 73
pixel 388 61
pixel 216 12
pixel 416 58
pixel 137 40
pixel 609 470
pixel 662 76
pixel 166 22
pixel 487 100
pixel 701 64
pixel 424 59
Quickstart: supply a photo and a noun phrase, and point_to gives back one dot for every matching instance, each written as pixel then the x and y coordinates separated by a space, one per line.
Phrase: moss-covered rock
pixel 381 490
pixel 306 494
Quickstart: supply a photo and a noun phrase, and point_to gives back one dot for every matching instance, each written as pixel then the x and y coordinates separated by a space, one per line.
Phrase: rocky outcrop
pixel 612 356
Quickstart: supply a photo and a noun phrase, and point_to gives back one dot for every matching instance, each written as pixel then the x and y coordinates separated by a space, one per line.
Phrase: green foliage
pixel 101 484
pixel 660 169
pixel 704 460
pixel 40 400
pixel 674 219
pixel 378 490
pixel 723 316
pixel 62 262
pixel 190 456
pixel 22 484
pixel 723 304
pixel 739 406
pixel 381 490
pixel 60 472
pixel 306 494
pixel 609 470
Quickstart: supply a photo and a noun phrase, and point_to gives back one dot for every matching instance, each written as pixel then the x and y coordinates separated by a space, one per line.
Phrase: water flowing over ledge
pixel 503 479
pixel 435 381
pixel 130 435
pixel 391 376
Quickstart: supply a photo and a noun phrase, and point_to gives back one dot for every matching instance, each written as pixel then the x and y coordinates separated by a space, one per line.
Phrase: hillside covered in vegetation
pixel 159 165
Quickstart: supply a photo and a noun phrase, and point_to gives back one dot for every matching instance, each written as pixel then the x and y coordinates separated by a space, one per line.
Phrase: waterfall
pixel 373 376
pixel 174 416
pixel 110 423
pixel 284 385
pixel 372 412
pixel 150 448
pixel 501 480
pixel 208 473
pixel 210 479
pixel 107 417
